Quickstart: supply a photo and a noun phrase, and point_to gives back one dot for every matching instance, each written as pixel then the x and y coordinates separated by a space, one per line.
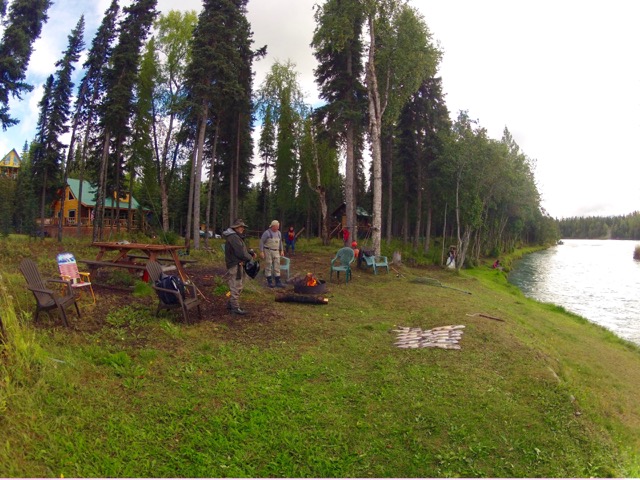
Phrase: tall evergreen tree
pixel 339 50
pixel 219 84
pixel 266 145
pixel 25 216
pixel 23 27
pixel 281 100
pixel 48 157
pixel 60 109
pixel 43 163
pixel 90 90
pixel 141 148
pixel 117 108
pixel 422 122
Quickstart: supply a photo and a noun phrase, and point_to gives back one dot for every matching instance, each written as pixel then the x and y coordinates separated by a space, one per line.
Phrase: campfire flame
pixel 311 280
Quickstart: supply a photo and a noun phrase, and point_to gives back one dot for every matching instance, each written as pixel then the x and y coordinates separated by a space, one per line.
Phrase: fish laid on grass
pixel 446 337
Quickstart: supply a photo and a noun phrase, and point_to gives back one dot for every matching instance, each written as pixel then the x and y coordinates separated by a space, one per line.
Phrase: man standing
pixel 271 249
pixel 235 255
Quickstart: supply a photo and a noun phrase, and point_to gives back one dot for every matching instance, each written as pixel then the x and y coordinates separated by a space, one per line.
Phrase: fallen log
pixel 291 297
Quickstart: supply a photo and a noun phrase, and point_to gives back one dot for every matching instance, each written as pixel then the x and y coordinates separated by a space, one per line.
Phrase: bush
pixel 636 253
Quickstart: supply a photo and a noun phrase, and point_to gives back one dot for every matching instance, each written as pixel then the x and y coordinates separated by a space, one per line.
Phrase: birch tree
pixel 400 57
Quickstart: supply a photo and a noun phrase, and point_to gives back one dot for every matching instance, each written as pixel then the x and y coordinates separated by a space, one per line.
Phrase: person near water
pixel 271 250
pixel 235 256
pixel 451 260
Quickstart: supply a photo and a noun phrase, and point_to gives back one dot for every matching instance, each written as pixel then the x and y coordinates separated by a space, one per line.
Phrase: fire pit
pixel 318 289
pixel 307 289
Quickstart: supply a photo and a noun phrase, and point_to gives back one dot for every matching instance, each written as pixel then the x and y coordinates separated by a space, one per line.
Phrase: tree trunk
pixel 202 122
pixel 322 193
pixel 43 203
pixel 388 157
pixel 162 173
pixel 98 216
pixel 197 184
pixel 210 189
pixel 375 130
pixel 193 199
pixel 405 221
pixel 350 183
pixel 444 235
pixel 235 177
pixel 427 236
pixel 418 226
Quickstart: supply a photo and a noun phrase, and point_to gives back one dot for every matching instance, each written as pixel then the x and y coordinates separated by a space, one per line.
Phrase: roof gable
pixel 11 159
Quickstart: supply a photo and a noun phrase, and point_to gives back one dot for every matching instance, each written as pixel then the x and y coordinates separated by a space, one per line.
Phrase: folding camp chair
pixel 185 304
pixel 69 271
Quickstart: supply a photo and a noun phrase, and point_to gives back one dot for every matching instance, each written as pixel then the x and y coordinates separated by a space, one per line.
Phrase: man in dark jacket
pixel 235 255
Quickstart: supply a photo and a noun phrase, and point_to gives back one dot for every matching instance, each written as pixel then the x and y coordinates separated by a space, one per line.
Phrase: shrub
pixel 636 253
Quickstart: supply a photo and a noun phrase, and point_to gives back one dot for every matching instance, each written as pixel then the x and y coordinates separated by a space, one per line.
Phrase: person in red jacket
pixel 290 241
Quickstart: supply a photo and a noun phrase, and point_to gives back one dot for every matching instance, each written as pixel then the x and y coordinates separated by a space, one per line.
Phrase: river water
pixel 597 279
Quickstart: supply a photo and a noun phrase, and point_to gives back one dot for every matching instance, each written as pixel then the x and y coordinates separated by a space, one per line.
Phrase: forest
pixel 166 109
pixel 623 227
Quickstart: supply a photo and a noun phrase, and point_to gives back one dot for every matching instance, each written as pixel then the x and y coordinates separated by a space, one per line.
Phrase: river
pixel 597 279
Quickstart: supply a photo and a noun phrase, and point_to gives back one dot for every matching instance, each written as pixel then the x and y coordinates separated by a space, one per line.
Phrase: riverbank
pixel 317 391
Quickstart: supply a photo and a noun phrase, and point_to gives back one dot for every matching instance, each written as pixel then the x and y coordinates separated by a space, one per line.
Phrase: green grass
pixel 320 391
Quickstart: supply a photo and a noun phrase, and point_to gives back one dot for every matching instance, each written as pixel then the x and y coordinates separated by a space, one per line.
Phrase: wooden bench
pixel 183 261
pixel 95 264
pixel 375 262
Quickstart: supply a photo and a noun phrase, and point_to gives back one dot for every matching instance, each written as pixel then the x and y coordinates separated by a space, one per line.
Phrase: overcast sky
pixel 562 75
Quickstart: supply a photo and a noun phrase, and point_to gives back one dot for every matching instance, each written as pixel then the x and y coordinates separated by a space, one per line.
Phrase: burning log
pixel 296 298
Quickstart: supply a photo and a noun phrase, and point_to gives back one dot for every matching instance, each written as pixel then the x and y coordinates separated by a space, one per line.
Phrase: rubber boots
pixel 269 282
pixel 279 283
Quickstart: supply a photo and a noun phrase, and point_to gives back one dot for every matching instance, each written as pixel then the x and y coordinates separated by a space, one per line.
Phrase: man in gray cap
pixel 235 254
pixel 271 249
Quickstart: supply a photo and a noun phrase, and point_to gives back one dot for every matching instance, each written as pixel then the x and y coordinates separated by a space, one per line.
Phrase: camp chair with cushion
pixel 69 271
pixel 47 299
pixel 342 263
pixel 190 301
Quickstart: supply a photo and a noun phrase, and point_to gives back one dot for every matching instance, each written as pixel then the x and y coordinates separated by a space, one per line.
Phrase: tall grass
pixel 21 355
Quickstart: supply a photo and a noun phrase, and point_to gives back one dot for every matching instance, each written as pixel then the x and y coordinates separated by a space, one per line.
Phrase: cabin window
pixel 70 196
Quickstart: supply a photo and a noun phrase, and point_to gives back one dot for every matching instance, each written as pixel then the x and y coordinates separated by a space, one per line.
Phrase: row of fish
pixel 447 337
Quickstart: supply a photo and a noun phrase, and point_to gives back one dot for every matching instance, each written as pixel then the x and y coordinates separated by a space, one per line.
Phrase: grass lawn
pixel 298 390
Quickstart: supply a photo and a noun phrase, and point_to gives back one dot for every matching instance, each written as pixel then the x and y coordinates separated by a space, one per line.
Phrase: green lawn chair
pixel 342 263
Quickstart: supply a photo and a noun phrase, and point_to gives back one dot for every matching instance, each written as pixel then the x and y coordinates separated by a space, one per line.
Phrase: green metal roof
pixel 361 212
pixel 89 195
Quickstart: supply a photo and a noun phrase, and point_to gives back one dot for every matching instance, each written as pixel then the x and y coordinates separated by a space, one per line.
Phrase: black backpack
pixel 170 282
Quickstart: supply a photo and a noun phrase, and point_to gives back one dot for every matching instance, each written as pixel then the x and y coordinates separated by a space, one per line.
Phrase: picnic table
pixel 150 251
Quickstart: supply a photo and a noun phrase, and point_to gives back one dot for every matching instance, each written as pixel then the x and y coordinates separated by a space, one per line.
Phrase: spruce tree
pixel 219 82
pixel 23 27
pixel 117 107
pixel 60 108
pixel 339 49
pixel 90 90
